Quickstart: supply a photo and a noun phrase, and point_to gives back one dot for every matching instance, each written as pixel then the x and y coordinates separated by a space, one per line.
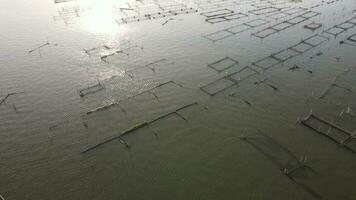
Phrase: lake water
pixel 177 99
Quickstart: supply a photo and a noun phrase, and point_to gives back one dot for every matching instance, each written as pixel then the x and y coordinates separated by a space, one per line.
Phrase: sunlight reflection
pixel 100 18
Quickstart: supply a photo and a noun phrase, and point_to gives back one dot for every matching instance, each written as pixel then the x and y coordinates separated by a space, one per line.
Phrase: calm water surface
pixel 203 98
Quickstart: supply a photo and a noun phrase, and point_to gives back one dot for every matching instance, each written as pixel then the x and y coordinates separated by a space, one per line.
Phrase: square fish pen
pixel 266 63
pixel 152 66
pixel 99 50
pixel 331 131
pixel 285 54
pixel 288 163
pixel 151 92
pixel 155 15
pixel 125 135
pixel 219 35
pixel 315 40
pixel 242 74
pixel 284 12
pixel 290 52
pixel 68 14
pixel 291 11
pixel 214 4
pixel 302 47
pixel 223 64
pixel 264 10
pixel 297 20
pixel 285 24
pixel 91 90
pixel 256 23
pixel 265 32
pixel 224 18
pixel 335 31
pixel 217 86
pixel 234 30
pixel 352 39
pixel 313 26
pixel 342 27
pixel 346 25
pixel 216 13
pixel 228 81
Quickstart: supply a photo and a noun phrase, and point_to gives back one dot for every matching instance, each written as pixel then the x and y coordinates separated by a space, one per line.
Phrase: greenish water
pixel 215 105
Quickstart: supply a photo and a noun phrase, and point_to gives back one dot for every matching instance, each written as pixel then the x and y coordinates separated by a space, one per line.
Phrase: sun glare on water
pixel 99 19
